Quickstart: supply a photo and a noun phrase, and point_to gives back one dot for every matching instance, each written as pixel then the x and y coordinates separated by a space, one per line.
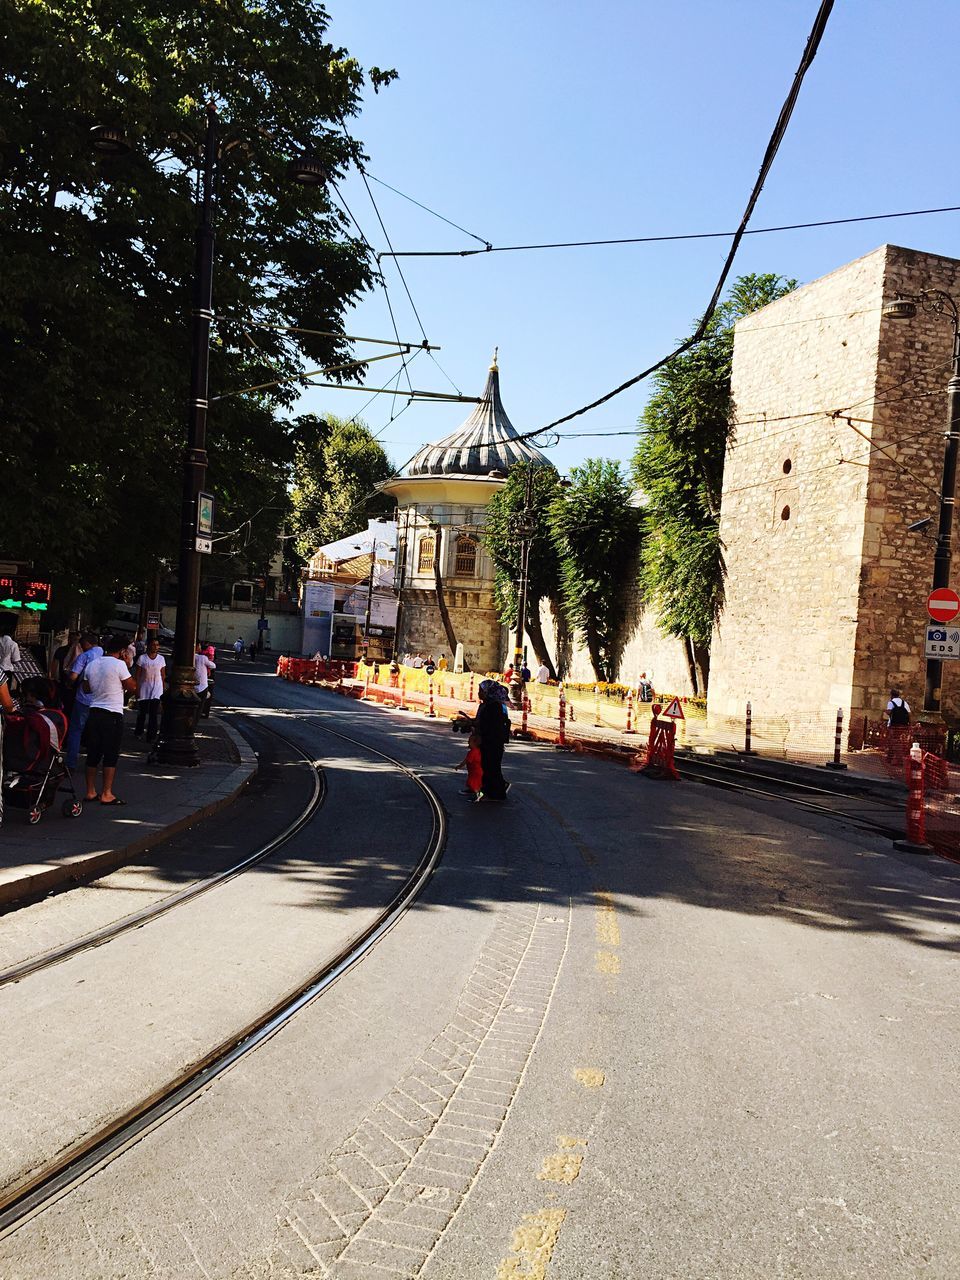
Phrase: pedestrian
pixel 151 676
pixel 492 727
pixel 252 648
pixel 238 649
pixel 139 645
pixel 898 710
pixel 203 666
pixel 6 706
pixel 417 662
pixel 524 673
pixel 105 680
pixel 543 674
pixel 473 762
pixel 430 666
pixel 508 674
pixel 645 688
pixel 442 663
pixel 9 649
pixel 59 670
pixel 90 651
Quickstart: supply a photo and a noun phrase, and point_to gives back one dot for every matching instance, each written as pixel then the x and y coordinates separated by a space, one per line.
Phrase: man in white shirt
pixel 9 649
pixel 543 673
pixel 104 681
pixel 203 666
pixel 90 651
pixel 151 681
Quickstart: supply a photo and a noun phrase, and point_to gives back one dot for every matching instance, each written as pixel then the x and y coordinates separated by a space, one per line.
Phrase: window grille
pixel 466 561
pixel 425 557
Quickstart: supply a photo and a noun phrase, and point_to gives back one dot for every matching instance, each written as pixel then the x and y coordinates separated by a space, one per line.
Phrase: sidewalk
pixel 160 801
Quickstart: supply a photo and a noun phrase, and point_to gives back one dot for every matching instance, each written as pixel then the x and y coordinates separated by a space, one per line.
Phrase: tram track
pixel 28 1197
pixel 170 902
pixel 796 793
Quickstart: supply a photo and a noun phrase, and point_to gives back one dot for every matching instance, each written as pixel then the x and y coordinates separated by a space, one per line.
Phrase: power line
pixel 779 131
pixel 481 239
pixel 664 239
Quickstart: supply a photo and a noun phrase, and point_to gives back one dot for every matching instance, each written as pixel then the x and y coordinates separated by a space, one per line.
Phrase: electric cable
pixel 663 239
pixel 779 131
pixel 426 208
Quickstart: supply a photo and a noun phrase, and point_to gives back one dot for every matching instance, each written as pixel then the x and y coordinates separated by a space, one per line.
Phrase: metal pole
pixel 941 559
pixel 526 533
pixel 366 617
pixel 177 745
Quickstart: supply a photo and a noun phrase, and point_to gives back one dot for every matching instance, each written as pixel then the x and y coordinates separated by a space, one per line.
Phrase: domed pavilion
pixel 442 566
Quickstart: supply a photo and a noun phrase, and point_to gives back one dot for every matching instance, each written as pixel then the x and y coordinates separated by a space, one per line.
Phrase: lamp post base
pixel 178 724
pixel 517 688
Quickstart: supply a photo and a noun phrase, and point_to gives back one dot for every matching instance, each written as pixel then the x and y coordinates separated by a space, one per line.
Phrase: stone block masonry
pixel 837 447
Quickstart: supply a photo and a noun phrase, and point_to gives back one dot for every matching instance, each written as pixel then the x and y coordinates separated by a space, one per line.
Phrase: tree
pixel 337 469
pixel 500 537
pixel 678 466
pixel 595 531
pixel 98 263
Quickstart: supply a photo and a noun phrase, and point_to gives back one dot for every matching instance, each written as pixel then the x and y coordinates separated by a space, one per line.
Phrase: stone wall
pixel 475 624
pixel 836 450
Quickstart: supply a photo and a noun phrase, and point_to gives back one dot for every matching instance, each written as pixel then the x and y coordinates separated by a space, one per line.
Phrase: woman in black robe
pixel 492 725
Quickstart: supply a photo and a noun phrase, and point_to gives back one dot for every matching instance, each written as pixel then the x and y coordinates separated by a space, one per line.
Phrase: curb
pixel 38 883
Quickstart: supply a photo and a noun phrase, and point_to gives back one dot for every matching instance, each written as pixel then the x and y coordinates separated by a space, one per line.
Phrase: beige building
pixel 837 448
pixel 441 510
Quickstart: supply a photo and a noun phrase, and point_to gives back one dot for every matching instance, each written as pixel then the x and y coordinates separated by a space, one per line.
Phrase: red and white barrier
pixel 748 732
pixel 432 711
pixel 471 687
pixel 836 762
pixel 562 739
pixel 916 841
pixel 402 705
pixel 659 759
pixel 597 723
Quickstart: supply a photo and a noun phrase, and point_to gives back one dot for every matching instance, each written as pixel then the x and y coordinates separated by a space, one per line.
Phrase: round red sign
pixel 943 605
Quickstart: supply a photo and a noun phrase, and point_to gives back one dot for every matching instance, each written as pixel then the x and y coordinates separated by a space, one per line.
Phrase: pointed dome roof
pixel 486 442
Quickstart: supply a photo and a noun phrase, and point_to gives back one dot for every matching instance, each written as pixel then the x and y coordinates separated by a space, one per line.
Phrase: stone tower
pixel 837 448
pixel 442 501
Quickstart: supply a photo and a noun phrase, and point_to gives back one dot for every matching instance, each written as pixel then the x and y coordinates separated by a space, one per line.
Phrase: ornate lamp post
pixel 905 308
pixel 526 528
pixel 181 704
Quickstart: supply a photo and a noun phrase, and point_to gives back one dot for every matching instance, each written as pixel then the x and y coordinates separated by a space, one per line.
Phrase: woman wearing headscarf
pixel 492 726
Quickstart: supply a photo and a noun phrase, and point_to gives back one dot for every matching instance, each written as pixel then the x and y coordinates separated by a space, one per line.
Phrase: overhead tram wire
pixel 663 239
pixel 426 208
pixel 776 137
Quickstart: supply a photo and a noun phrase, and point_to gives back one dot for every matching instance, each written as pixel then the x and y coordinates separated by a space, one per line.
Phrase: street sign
pixel 22 592
pixel 153 619
pixel 943 605
pixel 941 642
pixel 204 546
pixel 675 711
pixel 205 514
pixel 263 624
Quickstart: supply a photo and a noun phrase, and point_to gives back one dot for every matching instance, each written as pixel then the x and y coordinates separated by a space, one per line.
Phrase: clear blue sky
pixel 546 121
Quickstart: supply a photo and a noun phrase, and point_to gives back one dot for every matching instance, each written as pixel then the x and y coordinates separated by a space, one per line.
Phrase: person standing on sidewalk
pixel 105 681
pixel 91 650
pixel 203 666
pixel 9 649
pixel 151 682
pixel 238 649
pixel 6 705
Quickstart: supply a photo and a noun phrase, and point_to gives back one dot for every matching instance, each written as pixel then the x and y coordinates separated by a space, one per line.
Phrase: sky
pixel 535 121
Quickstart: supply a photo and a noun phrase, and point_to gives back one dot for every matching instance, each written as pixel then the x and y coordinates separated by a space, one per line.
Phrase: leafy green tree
pixel 502 540
pixel 678 466
pixel 98 263
pixel 338 467
pixel 595 531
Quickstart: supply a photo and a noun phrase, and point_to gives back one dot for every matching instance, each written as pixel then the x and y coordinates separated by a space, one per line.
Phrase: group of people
pixel 419 662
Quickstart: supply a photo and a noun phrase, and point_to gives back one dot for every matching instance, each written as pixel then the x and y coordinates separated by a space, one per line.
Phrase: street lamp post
pixel 905 308
pixel 176 744
pixel 526 528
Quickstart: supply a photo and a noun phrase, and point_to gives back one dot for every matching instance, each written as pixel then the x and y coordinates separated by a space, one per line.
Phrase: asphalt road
pixel 631 1030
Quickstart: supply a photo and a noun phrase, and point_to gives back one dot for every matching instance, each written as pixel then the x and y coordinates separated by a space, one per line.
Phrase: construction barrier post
pixel 748 732
pixel 366 685
pixel 629 728
pixel 470 699
pixel 523 718
pixel 562 737
pixel 431 712
pixel 596 707
pixel 402 705
pixel 836 762
pixel 916 841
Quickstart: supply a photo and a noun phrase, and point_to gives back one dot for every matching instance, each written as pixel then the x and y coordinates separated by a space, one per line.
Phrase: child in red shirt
pixel 474 767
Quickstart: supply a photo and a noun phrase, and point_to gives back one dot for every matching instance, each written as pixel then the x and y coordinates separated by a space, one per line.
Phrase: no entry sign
pixel 943 605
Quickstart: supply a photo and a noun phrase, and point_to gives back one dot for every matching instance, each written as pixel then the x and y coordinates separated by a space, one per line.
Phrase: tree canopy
pixel 98 264
pixel 337 468
pixel 594 529
pixel 678 466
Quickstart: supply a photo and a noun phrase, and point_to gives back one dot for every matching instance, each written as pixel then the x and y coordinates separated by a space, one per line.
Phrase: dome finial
pixel 493 363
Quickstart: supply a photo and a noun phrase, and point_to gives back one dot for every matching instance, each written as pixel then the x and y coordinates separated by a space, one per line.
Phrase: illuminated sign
pixel 25 593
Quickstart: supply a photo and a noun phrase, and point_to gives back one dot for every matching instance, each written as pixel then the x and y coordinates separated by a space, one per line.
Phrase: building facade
pixel 837 448
pixel 442 565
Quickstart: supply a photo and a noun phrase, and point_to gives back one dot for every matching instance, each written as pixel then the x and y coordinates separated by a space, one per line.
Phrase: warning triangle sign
pixel 674 710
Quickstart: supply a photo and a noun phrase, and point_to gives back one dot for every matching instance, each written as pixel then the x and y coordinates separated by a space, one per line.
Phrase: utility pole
pixel 526 528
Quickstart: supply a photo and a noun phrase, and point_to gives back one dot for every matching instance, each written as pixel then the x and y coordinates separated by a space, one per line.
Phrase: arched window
pixel 466 561
pixel 425 557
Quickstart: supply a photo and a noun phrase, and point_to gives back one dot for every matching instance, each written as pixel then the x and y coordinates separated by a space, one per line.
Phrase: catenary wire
pixel 776 137
pixel 689 235
pixel 426 208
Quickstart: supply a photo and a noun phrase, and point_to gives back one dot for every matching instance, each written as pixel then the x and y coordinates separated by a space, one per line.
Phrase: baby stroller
pixel 33 763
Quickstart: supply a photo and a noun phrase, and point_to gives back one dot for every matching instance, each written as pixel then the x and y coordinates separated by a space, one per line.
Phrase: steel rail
pixel 26 1199
pixel 138 919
